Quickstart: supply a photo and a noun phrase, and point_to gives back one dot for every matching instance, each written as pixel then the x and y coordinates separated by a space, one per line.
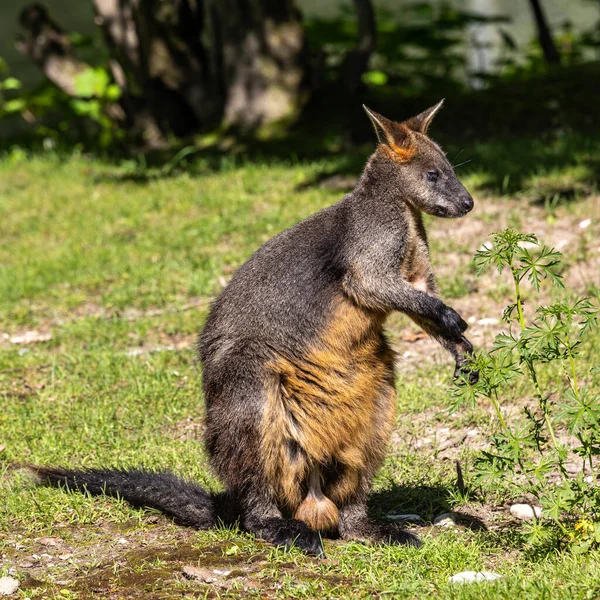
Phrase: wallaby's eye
pixel 432 176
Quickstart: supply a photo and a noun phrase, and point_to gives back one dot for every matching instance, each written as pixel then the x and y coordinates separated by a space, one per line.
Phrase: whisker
pixel 459 153
pixel 461 164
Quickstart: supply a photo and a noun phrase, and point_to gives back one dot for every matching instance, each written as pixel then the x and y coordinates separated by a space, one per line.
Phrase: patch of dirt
pixel 167 343
pixel 186 429
pixel 152 564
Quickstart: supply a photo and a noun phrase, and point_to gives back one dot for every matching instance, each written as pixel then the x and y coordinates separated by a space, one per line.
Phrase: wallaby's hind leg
pixel 355 485
pixel 355 524
pixel 262 517
pixel 237 395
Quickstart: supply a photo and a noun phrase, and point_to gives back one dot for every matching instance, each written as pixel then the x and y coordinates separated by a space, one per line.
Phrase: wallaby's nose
pixel 467 203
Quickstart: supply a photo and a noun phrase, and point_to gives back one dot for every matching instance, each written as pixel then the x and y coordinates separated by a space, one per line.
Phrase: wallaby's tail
pixel 184 501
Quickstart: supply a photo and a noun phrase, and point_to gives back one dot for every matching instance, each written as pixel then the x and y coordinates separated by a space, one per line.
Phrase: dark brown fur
pixel 298 376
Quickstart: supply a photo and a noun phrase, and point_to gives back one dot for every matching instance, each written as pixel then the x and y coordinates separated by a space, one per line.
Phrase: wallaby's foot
pixel 287 533
pixel 377 532
pixel 356 525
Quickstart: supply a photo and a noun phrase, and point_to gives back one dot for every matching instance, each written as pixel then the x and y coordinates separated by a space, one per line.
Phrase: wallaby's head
pixel 417 167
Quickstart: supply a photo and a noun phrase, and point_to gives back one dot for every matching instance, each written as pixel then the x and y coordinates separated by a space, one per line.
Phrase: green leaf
pixel 14 106
pixel 113 92
pixel 375 78
pixel 11 83
pixel 91 82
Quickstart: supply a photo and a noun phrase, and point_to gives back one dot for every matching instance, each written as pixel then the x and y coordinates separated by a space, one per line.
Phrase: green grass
pixel 119 268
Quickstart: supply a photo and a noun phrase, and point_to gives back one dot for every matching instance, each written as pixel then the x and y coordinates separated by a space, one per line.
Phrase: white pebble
pixel 409 518
pixel 473 576
pixel 525 512
pixel 446 520
pixel 488 321
pixel 8 586
pixel 528 245
pixel 585 224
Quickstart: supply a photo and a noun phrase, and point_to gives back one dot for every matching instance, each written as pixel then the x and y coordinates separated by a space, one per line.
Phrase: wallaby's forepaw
pixel 453 325
pixel 463 362
pixel 290 532
pixel 464 370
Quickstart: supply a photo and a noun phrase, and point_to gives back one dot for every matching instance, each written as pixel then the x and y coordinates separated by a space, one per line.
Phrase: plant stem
pixel 518 293
pixel 533 374
pixel 496 405
pixel 575 388
pixel 574 383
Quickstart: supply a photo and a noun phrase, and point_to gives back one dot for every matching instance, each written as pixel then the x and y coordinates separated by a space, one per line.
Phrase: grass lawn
pixel 109 271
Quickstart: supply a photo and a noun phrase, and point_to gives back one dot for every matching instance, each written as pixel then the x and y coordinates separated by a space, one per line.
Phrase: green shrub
pixel 531 453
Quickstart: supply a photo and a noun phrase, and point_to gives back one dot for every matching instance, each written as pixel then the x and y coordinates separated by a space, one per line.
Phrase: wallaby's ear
pixel 422 121
pixel 397 138
pixel 383 127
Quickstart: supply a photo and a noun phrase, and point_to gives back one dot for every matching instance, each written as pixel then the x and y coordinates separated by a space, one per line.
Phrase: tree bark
pixel 261 57
pixel 548 46
pixel 183 65
pixel 357 60
pixel 50 49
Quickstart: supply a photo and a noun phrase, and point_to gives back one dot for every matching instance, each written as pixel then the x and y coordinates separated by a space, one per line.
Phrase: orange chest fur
pixel 332 395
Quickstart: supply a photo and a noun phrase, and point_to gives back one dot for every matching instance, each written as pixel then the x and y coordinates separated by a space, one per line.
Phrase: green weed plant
pixel 531 452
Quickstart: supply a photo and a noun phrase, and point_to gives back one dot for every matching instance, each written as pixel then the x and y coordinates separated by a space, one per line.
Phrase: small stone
pixel 528 245
pixel 585 223
pixel 485 322
pixel 473 577
pixel 448 519
pixel 122 541
pixel 152 519
pixel 66 556
pixel 49 541
pixel 525 512
pixel 8 586
pixel 26 564
pixel 407 518
pixel 198 573
pixel 221 573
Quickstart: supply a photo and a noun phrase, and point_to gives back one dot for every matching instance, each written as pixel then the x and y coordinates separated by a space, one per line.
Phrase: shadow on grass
pixel 533 137
pixel 426 501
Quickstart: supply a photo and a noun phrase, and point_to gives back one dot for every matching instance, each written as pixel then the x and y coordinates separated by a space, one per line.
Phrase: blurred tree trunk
pixel 261 59
pixel 356 61
pixel 183 65
pixel 199 62
pixel 548 46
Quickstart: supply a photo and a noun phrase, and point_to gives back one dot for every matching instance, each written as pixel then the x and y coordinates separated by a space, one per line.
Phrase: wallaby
pixel 298 375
